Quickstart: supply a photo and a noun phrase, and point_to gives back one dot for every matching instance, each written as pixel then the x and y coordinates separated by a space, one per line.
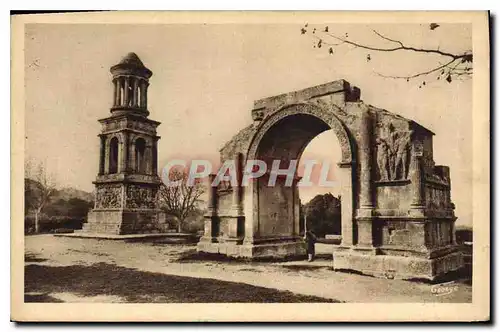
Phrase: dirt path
pixel 174 260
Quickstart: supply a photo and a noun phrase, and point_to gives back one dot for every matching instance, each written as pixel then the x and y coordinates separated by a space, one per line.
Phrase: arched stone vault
pixel 305 108
pixel 397 215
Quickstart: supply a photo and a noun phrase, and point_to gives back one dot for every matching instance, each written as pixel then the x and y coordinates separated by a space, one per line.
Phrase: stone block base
pixel 254 251
pixel 397 267
pixel 120 222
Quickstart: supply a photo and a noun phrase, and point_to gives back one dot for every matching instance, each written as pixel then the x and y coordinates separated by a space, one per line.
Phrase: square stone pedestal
pixel 123 221
pixel 396 267
pixel 265 249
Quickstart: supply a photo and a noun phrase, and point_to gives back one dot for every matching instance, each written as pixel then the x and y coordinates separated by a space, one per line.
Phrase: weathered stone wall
pixel 224 202
pixel 337 92
pixel 238 143
pixel 224 205
pixel 401 234
pixel 440 233
pixel 393 199
pixel 437 197
pixel 276 210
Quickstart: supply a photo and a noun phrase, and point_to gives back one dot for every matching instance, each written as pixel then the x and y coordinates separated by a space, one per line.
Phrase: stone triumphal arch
pixel 397 216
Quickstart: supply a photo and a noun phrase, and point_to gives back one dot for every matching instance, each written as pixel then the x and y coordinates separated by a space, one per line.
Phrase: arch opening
pixel 113 155
pixel 140 156
pixel 278 206
pixel 321 199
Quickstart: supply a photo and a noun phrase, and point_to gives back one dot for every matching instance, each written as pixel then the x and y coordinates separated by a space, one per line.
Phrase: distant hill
pixel 67 193
pixel 64 193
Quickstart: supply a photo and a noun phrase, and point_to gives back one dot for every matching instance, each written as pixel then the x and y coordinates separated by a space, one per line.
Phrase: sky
pixel 206 77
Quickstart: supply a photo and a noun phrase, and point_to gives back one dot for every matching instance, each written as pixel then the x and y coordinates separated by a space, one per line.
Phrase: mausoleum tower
pixel 127 182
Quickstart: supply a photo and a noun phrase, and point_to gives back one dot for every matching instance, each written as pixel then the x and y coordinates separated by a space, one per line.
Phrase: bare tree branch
pixel 45 189
pixel 180 201
pixel 419 74
pixel 458 64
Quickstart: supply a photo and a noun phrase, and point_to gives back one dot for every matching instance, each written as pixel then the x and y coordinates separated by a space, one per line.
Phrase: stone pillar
pixel 131 160
pixel 118 84
pixel 365 159
pixel 102 153
pixel 453 233
pixel 106 156
pixel 141 87
pixel 126 152
pixel 149 159
pixel 119 92
pixel 155 155
pixel 296 206
pixel 115 91
pixel 135 101
pixel 365 211
pixel 237 207
pixel 417 180
pixel 234 226
pixel 121 155
pixel 212 195
pixel 346 199
pixel 126 96
pixel 251 211
pixel 144 95
pixel 211 226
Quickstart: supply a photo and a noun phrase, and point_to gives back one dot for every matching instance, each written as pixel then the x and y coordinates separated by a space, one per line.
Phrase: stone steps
pixel 100 228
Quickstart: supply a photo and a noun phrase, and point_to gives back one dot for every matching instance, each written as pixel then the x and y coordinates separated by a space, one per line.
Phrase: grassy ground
pixel 88 270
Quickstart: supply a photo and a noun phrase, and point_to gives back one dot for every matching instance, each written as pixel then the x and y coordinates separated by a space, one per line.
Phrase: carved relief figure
pixel 393 153
pixel 403 152
pixel 383 158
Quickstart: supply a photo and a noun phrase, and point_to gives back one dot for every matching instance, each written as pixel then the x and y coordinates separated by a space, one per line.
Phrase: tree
pixel 73 207
pixel 180 200
pixel 455 65
pixel 38 191
pixel 323 214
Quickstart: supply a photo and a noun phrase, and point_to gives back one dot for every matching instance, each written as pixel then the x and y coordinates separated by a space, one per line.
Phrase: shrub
pixel 51 224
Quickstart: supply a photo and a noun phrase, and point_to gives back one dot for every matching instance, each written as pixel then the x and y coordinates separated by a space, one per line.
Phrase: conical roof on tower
pixel 131 81
pixel 131 64
pixel 131 59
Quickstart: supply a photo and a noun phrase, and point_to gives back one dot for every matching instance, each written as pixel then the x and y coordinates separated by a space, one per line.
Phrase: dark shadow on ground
pixel 192 256
pixel 45 298
pixel 461 276
pixel 146 287
pixel 32 258
pixel 304 267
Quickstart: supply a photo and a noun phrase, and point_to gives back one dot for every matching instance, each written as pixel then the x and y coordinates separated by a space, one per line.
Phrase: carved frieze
pixel 140 126
pixel 224 185
pixel 108 197
pixel 258 114
pixel 130 124
pixel 437 198
pixel 142 178
pixel 113 125
pixel 139 197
